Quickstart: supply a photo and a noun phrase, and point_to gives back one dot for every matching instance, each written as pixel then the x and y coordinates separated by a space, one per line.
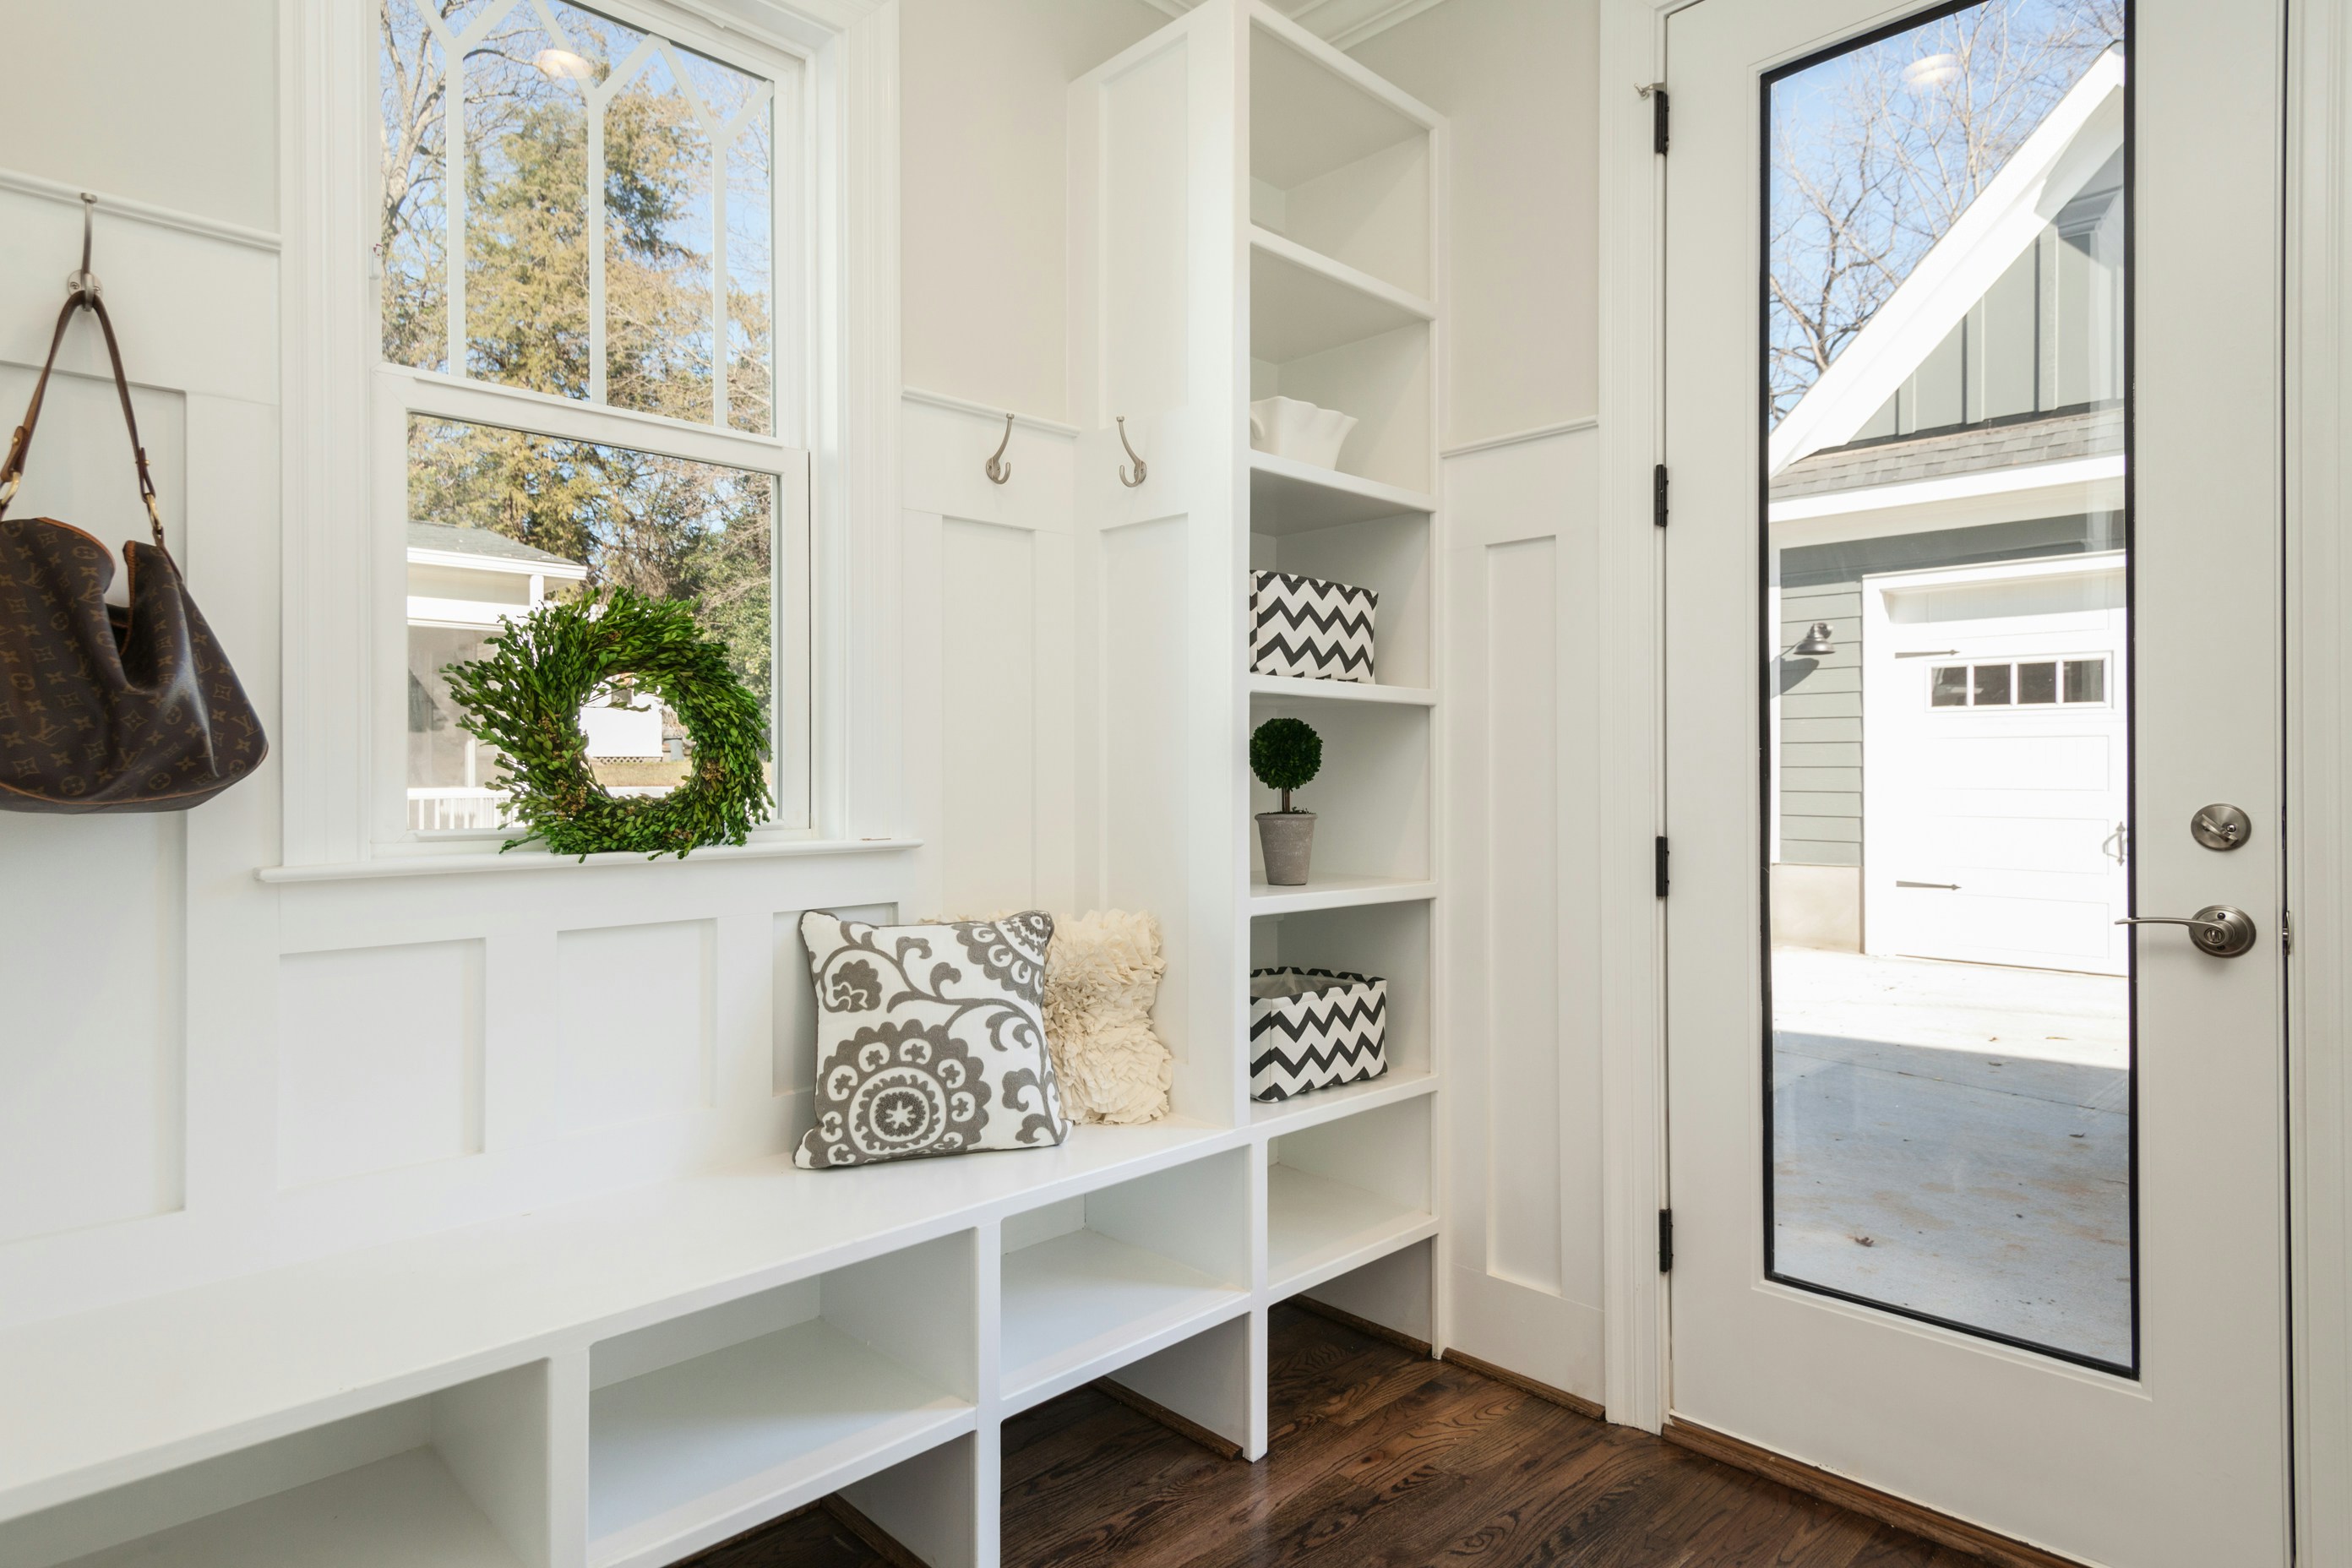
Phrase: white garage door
pixel 1995 762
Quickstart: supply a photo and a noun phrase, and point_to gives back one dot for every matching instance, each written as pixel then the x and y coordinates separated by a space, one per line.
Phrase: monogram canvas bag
pixel 104 707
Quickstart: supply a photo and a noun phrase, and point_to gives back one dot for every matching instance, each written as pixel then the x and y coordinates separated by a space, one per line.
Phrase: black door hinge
pixel 1662 865
pixel 1665 1241
pixel 1658 495
pixel 1658 111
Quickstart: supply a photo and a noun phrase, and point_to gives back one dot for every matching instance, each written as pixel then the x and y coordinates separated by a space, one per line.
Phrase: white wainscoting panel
pixel 1525 835
pixel 379 1060
pixel 989 718
pixel 636 1007
pixel 1521 972
pixel 990 620
pixel 93 955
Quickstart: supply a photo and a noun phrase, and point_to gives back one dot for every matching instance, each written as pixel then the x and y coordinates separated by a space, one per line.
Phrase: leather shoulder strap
pixel 13 472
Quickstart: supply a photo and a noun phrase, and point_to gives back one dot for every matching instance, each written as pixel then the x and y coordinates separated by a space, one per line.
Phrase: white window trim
pixel 344 573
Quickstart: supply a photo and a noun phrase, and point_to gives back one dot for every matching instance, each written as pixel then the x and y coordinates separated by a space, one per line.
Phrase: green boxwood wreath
pixel 524 697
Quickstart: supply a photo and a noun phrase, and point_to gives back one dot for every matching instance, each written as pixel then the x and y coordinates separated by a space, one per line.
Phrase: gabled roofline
pixel 2074 142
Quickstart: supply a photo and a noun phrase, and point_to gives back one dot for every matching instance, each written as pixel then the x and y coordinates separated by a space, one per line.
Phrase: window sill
pixel 540 860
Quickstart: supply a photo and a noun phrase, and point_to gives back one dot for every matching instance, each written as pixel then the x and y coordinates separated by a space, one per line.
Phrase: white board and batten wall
pixel 484 1124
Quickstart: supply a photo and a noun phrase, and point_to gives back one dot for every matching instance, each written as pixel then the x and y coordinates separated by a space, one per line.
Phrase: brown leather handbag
pixel 104 708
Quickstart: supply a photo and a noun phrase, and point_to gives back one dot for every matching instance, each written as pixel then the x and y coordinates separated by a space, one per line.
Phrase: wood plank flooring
pixel 1380 1459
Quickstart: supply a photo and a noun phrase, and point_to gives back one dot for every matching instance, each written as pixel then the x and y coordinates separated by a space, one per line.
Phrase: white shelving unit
pixel 624 1381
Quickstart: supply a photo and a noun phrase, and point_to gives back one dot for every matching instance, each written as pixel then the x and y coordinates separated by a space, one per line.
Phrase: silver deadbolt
pixel 2224 930
pixel 2220 826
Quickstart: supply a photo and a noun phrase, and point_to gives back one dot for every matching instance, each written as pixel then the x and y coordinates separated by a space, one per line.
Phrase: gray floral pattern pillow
pixel 931 1039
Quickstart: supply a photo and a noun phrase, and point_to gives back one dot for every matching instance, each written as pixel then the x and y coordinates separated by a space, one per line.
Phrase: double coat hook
pixel 81 284
pixel 1142 471
pixel 998 470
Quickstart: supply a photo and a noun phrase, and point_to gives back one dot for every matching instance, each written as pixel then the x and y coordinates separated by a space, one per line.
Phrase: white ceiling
pixel 1343 23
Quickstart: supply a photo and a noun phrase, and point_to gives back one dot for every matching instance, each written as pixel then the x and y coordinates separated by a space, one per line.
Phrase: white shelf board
pixel 1340 691
pixel 406 1512
pixel 1322 1105
pixel 700 1450
pixel 1082 1304
pixel 1302 301
pixel 1322 891
pixel 103 1397
pixel 1287 496
pixel 1316 1227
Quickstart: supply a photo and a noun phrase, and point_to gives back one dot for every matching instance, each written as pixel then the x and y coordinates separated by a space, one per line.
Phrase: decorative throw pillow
pixel 1101 979
pixel 929 1039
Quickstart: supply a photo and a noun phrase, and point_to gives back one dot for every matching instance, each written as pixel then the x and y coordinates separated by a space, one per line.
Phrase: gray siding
pixel 1821 727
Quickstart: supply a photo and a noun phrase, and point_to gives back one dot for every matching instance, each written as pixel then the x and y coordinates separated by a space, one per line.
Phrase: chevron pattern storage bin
pixel 1305 627
pixel 1312 1028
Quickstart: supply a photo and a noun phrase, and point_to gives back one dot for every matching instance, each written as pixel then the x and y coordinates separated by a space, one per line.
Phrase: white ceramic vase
pixel 1301 431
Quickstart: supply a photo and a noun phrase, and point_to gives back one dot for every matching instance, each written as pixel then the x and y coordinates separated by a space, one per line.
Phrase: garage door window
pixel 2023 683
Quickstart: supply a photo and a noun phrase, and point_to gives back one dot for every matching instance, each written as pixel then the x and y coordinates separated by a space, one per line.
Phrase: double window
pixel 592 313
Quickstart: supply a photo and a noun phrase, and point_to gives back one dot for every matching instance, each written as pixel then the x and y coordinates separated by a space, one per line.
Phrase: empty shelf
pixel 1287 496
pixel 1077 1304
pixel 1316 1227
pixel 732 1437
pixel 1302 302
pixel 406 1512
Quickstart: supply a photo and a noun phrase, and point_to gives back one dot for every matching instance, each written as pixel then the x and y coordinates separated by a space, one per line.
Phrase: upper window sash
pixel 624 185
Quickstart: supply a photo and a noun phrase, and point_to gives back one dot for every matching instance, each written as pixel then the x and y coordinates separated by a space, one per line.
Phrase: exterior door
pixel 1972 416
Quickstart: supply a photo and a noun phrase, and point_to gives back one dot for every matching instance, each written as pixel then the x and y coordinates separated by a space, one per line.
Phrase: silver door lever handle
pixel 2224 930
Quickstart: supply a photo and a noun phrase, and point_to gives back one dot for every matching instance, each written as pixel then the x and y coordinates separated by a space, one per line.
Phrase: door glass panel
pixel 1949 1025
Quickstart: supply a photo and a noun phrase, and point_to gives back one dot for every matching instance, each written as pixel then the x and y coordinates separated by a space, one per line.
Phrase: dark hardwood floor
pixel 1380 1459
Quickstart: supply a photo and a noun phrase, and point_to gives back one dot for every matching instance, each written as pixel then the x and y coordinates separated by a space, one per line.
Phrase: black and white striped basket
pixel 1324 1028
pixel 1305 627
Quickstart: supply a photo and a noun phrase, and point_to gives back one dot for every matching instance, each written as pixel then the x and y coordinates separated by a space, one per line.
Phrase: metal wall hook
pixel 998 470
pixel 82 284
pixel 1142 471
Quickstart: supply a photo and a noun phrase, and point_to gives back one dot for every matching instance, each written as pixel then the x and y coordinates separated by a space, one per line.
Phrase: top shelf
pixel 1303 302
pixel 1313 109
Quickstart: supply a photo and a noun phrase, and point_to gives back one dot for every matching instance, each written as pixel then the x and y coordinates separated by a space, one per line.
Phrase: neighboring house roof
pixel 1975 448
pixel 481 547
pixel 2075 140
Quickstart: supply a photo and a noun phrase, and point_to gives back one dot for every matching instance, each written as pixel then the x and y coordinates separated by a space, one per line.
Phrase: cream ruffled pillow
pixel 1102 974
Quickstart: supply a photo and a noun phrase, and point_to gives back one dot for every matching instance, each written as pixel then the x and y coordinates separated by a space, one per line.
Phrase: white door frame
pixel 2319 784
pixel 2319 732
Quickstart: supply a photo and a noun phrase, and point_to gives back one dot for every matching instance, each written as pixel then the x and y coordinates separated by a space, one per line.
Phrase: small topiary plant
pixel 1284 755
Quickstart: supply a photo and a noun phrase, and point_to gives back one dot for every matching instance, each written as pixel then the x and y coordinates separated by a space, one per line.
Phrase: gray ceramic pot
pixel 1286 837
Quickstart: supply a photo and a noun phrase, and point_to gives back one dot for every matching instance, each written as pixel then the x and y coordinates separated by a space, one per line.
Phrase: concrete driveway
pixel 1955 1138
